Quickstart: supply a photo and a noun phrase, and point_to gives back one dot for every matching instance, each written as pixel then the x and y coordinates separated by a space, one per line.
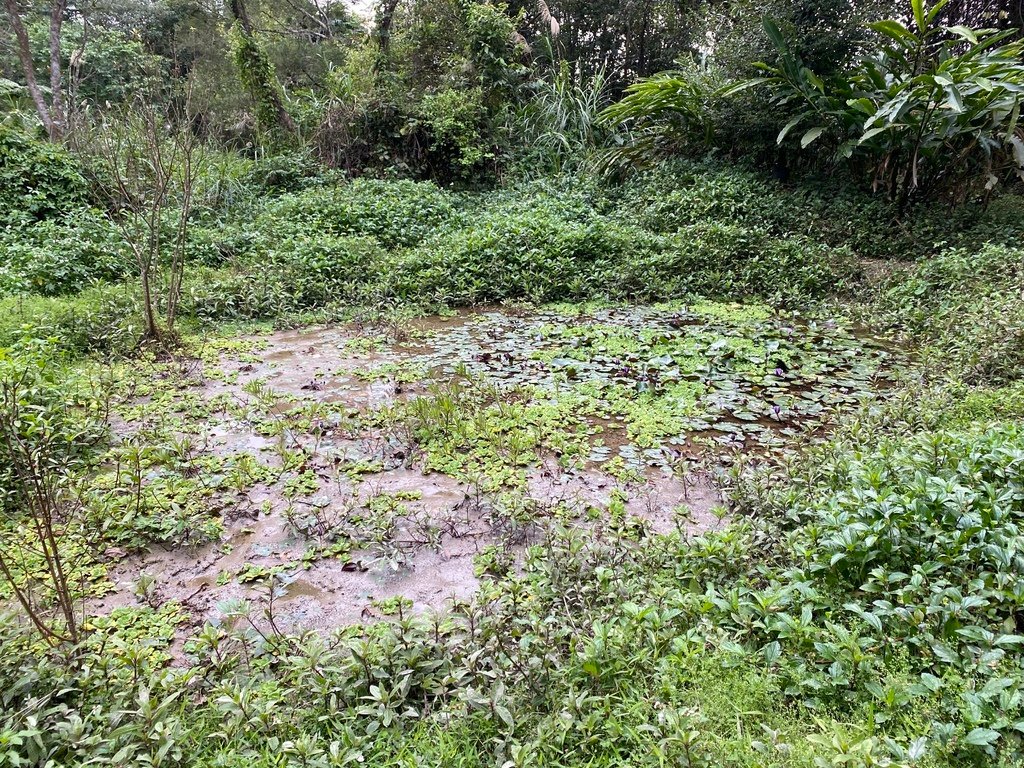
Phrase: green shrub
pixel 211 245
pixel 297 274
pixel 537 255
pixel 281 173
pixel 540 254
pixel 575 197
pixel 682 193
pixel 104 319
pixel 982 405
pixel 458 127
pixel 401 213
pixel 1001 222
pixel 715 259
pixel 905 549
pixel 37 179
pixel 891 509
pixel 232 294
pixel 964 308
pixel 54 257
pixel 328 269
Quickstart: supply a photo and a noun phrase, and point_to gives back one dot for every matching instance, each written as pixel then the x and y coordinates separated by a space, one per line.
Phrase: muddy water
pixel 426 555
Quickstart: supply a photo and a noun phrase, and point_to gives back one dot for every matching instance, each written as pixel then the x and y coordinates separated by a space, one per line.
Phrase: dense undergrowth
pixel 862 609
pixel 327 245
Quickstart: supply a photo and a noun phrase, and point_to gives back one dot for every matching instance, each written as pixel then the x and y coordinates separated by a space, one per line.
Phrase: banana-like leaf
pixel 788 127
pixel 963 33
pixel 863 105
pixel 954 99
pixel 885 106
pixel 872 132
pixel 810 136
pixel 935 9
pixel 732 90
pixel 895 31
pixel 919 17
pixel 775 34
pixel 1018 150
pixel 813 79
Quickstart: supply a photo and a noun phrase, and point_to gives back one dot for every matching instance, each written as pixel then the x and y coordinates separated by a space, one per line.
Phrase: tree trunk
pixel 53 128
pixel 152 332
pixel 385 18
pixel 272 89
pixel 58 114
pixel 241 14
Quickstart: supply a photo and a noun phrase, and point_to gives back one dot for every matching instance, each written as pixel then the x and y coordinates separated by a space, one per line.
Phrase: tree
pixel 52 114
pixel 934 110
pixel 257 73
pixel 146 166
pixel 621 39
pixel 385 14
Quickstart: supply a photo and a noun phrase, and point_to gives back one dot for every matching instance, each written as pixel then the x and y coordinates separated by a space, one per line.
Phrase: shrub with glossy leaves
pixel 931 110
pixel 103 319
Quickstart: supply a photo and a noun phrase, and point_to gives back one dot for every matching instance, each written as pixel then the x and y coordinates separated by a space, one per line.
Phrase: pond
pixel 335 473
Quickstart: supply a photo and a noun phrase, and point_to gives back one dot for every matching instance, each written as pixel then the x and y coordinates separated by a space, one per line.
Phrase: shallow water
pixel 635 408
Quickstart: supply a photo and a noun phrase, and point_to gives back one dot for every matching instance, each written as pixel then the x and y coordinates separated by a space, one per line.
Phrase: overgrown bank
pixel 330 244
